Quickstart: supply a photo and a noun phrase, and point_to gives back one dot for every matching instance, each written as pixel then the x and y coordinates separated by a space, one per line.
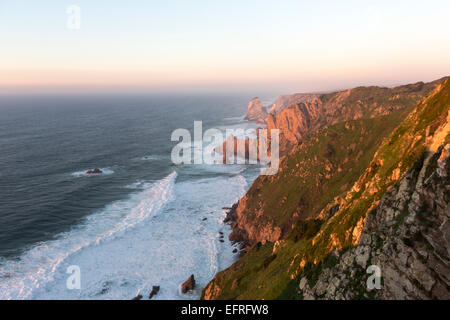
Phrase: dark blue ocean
pixel 139 223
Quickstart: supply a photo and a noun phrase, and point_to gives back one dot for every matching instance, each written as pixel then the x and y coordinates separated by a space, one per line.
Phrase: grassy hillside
pixel 323 166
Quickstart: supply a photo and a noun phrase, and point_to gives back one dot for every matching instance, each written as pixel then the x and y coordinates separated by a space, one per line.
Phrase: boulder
pixel 155 290
pixel 94 171
pixel 188 285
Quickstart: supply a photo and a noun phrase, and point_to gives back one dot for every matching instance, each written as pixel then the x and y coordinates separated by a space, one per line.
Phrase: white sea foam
pixel 140 185
pixel 44 264
pixel 156 237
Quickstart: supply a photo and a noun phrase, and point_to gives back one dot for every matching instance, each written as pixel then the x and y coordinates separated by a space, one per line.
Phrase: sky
pixel 282 46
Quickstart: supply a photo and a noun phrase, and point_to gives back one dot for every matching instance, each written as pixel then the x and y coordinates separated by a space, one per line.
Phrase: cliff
pixel 368 191
pixel 315 172
pixel 407 237
pixel 298 115
pixel 286 100
pixel 327 161
pixel 310 112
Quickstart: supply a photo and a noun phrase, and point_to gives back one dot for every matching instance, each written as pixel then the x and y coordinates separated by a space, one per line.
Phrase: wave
pixel 159 236
pixel 37 267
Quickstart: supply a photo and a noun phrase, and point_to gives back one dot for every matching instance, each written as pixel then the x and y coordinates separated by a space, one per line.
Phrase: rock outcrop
pixel 154 292
pixel 94 171
pixel 188 285
pixel 255 111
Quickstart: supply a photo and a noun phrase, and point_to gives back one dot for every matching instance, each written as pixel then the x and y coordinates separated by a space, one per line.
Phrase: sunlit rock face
pixel 255 111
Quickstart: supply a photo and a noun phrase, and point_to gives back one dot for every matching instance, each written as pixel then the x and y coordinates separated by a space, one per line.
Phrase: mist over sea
pixel 140 223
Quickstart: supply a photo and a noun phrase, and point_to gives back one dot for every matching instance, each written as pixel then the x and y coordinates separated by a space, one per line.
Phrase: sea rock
pixel 138 297
pixel 155 290
pixel 94 171
pixel 188 285
pixel 255 111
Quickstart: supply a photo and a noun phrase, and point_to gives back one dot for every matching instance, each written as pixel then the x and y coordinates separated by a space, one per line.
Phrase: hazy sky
pixel 286 46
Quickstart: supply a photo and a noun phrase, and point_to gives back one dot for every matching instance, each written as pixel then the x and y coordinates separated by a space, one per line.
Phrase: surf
pixel 20 279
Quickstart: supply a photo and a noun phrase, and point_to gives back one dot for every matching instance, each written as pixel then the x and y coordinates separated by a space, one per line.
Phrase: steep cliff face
pixel 407 234
pixel 407 237
pixel 393 214
pixel 308 113
pixel 255 111
pixel 313 174
pixel 327 161
pixel 287 100
pixel 295 121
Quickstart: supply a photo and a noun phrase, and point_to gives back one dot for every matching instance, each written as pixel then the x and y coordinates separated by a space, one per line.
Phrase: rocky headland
pixel 363 180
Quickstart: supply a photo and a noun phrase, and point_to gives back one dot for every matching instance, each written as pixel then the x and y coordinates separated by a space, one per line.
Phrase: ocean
pixel 140 223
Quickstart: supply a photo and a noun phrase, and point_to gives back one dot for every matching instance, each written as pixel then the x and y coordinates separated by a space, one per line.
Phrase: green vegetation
pixel 325 165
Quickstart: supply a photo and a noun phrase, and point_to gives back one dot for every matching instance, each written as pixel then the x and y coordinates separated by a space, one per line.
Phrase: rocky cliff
pixel 336 148
pixel 407 237
pixel 291 99
pixel 255 111
pixel 354 193
pixel 310 112
pixel 313 174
